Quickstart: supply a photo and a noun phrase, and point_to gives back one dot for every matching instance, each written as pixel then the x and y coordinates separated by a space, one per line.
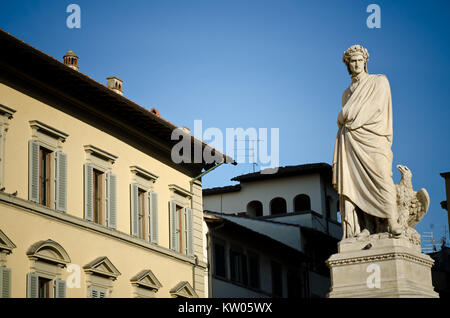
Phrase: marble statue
pixel 362 160
pixel 380 252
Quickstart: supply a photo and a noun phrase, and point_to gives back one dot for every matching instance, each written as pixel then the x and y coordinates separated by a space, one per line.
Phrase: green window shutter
pixel 88 192
pixel 33 171
pixel 174 227
pixel 189 232
pixel 5 282
pixel 32 286
pixel 153 216
pixel 111 197
pixel 61 181
pixel 60 288
pixel 134 209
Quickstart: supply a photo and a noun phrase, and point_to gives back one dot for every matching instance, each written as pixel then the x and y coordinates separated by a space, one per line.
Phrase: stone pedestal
pixel 380 266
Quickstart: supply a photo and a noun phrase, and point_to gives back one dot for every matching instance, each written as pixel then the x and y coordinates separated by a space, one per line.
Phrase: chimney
pixel 115 84
pixel 186 129
pixel 71 60
pixel 155 111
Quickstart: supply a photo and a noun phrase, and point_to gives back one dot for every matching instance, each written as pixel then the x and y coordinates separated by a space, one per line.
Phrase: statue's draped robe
pixel 362 160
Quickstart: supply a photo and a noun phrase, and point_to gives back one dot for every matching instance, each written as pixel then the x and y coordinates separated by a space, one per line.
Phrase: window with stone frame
pixel 145 284
pixel 6 247
pixel 47 166
pixel 100 277
pixel 6 114
pixel 181 221
pixel 144 205
pixel 100 190
pixel 47 259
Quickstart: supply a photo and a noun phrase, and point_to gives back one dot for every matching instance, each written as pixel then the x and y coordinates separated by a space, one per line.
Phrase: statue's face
pixel 356 64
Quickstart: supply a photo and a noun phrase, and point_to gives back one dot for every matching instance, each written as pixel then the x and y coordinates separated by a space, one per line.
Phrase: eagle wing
pixel 418 207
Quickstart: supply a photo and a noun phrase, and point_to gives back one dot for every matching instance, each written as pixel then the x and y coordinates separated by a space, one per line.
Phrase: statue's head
pixel 355 58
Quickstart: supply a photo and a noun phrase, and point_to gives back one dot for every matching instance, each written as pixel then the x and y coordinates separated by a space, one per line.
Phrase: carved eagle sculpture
pixel 412 206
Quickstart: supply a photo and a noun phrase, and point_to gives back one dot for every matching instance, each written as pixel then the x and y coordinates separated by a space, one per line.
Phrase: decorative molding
pixel 180 190
pixel 6 245
pixel 6 111
pixel 381 257
pixel 38 126
pixel 100 153
pixel 146 279
pixel 184 290
pixel 48 251
pixel 138 171
pixel 102 266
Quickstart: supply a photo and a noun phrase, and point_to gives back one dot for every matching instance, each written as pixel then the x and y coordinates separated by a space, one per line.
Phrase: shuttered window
pixel 61 181
pixel 134 207
pixel 111 200
pixel 41 168
pixel 5 282
pixel 174 227
pixel 33 191
pixel 181 229
pixel 32 286
pixel 100 196
pixel 60 288
pixel 97 293
pixel 189 224
pixel 40 287
pixel 88 192
pixel 153 217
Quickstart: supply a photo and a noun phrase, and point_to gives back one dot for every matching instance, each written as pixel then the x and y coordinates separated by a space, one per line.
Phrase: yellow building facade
pixel 91 204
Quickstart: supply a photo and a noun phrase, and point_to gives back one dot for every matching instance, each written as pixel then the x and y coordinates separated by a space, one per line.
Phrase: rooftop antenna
pixel 427 242
pixel 250 152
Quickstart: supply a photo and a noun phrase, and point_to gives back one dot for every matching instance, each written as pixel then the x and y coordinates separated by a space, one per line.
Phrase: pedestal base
pixel 380 266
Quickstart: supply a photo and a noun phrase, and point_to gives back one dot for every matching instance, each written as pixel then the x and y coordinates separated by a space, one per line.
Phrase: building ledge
pixel 62 217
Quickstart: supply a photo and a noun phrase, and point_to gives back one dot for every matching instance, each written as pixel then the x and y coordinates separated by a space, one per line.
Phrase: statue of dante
pixel 362 160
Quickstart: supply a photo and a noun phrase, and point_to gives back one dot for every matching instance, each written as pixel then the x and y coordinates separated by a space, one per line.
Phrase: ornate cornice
pixel 380 257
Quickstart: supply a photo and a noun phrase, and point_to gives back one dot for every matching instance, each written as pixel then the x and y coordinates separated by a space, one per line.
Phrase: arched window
pixel 48 258
pixel 302 202
pixel 255 208
pixel 278 206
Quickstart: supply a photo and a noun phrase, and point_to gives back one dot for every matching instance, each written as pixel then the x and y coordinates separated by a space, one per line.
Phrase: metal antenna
pixel 250 151
pixel 428 242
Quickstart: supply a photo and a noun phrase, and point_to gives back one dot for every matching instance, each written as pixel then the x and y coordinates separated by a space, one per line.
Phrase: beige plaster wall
pixel 84 246
pixel 25 228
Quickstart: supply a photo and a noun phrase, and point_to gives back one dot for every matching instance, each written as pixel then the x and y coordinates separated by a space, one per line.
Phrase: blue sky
pixel 265 64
